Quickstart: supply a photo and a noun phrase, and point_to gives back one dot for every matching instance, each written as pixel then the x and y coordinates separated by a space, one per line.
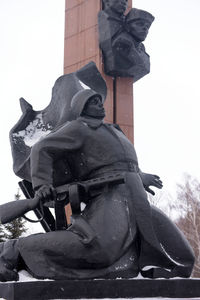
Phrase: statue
pixel 118 233
pixel 121 37
pixel 36 124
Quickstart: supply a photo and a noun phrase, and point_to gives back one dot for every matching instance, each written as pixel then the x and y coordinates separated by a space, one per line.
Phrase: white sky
pixel 31 59
pixel 166 100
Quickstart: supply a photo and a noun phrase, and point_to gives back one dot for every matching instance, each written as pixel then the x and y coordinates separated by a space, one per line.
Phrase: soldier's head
pixel 118 6
pixel 139 21
pixel 88 103
pixel 94 107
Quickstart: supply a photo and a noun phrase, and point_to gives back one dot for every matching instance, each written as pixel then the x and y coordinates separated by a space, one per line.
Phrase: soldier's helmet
pixel 80 99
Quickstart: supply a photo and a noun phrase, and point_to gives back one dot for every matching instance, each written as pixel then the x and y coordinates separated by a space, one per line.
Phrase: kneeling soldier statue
pixel 118 233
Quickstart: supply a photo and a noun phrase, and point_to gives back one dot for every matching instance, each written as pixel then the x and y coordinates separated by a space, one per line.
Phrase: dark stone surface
pixel 118 234
pixel 57 113
pixel 77 289
pixel 121 37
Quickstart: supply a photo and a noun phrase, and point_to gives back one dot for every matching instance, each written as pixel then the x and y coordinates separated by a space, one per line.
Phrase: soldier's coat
pixel 128 235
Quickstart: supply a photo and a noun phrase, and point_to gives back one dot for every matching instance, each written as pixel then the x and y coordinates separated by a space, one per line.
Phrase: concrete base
pixel 120 288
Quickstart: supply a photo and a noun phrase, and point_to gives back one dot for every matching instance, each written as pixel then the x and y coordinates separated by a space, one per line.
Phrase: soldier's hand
pixel 150 180
pixel 46 192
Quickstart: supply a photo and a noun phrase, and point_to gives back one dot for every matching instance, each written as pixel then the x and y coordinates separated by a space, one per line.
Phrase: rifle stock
pixel 15 209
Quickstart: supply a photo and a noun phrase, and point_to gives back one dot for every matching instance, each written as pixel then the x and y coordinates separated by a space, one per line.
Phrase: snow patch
pixel 178 264
pixel 84 85
pixel 122 267
pixel 146 268
pixel 83 205
pixel 33 132
pixel 24 276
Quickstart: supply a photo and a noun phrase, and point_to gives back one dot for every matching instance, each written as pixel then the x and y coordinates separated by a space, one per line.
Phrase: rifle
pixel 72 192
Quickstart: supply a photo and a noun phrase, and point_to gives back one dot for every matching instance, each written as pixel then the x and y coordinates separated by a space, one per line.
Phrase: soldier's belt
pixel 120 166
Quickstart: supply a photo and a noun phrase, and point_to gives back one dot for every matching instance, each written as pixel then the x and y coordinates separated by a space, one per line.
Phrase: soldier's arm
pixel 150 180
pixel 66 139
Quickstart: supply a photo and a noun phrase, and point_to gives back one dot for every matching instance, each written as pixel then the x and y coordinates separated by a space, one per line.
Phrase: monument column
pixel 82 46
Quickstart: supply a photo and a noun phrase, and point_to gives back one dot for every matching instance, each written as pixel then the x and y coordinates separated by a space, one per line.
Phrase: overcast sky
pixel 166 101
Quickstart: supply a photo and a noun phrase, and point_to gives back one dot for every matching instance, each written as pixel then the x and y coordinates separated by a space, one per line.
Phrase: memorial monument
pixel 67 154
pixel 81 159
pixel 121 37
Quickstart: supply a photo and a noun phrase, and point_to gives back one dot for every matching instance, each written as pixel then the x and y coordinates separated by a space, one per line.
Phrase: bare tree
pixel 164 201
pixel 188 206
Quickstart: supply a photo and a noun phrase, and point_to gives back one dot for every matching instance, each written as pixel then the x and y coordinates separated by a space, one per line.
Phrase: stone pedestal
pixel 101 288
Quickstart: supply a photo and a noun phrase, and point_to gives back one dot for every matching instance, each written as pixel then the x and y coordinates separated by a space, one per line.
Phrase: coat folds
pixel 128 235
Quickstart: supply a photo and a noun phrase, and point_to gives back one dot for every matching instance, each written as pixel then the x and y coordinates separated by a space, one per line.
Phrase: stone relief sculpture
pixel 118 233
pixel 121 37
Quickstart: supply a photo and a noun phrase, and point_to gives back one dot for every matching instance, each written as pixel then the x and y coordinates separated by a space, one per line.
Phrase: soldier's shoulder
pixel 79 124
pixel 115 126
pixel 75 124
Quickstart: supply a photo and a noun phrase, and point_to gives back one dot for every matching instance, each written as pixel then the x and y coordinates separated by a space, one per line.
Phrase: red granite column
pixel 81 47
pixel 124 102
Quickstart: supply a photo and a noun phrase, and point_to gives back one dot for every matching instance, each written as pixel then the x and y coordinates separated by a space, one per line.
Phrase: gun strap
pixel 40 219
pixel 74 198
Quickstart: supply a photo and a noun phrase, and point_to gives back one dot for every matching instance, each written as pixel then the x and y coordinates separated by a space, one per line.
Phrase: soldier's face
pixel 140 28
pixel 94 108
pixel 118 6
